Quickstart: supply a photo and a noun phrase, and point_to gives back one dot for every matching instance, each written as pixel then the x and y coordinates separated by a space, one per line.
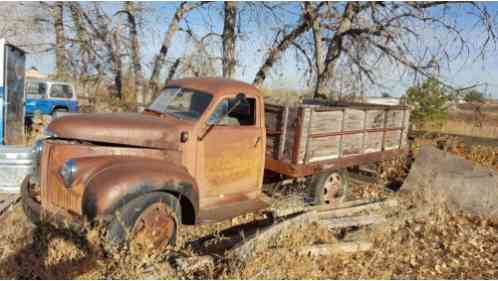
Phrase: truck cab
pixel 49 97
pixel 195 155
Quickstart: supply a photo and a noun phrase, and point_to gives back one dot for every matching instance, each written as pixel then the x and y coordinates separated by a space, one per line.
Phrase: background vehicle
pixel 49 97
pixel 199 154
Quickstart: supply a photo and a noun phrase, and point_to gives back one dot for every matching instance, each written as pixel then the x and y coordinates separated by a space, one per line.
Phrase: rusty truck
pixel 199 153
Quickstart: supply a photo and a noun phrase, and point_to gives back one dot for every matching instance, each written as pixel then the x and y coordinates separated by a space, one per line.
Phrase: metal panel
pixel 14 95
pixel 16 162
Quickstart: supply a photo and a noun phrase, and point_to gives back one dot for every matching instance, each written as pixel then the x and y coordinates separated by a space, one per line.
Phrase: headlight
pixel 68 171
pixel 38 148
pixel 49 133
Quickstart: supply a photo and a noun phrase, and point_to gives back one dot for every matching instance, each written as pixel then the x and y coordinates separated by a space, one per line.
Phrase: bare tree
pixel 366 34
pixel 160 58
pixel 138 74
pixel 302 26
pixel 57 11
pixel 229 37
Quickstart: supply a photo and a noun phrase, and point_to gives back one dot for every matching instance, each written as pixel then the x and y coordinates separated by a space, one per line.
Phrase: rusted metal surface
pixel 216 86
pixel 120 156
pixel 90 160
pixel 154 228
pixel 301 170
pixel 121 128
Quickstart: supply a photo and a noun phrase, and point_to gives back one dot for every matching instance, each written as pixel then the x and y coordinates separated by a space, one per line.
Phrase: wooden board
pixel 7 200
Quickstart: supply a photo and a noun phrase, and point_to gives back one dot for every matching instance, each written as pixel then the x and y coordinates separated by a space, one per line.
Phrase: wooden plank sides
pixel 392 139
pixel 324 148
pixel 353 119
pixel 394 119
pixel 375 119
pixel 373 142
pixel 352 144
pixel 326 122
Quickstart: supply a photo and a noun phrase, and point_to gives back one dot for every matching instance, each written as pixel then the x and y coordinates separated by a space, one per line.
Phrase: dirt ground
pixel 438 246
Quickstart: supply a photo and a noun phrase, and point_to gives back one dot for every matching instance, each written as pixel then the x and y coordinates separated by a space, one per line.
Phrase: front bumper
pixel 38 214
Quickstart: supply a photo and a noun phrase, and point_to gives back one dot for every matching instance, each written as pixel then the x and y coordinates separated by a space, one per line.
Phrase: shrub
pixel 474 96
pixel 429 103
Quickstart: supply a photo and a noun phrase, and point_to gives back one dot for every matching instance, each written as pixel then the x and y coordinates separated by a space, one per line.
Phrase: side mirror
pixel 240 98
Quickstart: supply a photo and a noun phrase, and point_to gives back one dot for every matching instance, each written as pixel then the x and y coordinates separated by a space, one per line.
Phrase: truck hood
pixel 132 129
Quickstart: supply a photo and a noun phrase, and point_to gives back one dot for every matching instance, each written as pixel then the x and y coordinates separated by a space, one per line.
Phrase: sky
pixel 258 33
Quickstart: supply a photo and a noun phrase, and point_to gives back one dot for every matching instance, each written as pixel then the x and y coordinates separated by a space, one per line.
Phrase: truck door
pixel 230 156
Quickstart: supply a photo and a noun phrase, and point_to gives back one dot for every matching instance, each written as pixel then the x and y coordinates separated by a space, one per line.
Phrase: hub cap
pixel 154 228
pixel 333 189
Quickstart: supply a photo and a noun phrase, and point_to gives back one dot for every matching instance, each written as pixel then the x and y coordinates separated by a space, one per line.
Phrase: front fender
pixel 120 181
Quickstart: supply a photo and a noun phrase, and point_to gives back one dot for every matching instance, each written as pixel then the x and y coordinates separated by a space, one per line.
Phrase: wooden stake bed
pixel 310 137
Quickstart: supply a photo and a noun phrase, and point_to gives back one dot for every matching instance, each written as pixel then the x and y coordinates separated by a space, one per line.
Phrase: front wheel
pixel 147 223
pixel 330 188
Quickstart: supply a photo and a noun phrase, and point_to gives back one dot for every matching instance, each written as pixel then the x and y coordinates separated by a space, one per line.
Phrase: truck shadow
pixel 214 245
pixel 33 261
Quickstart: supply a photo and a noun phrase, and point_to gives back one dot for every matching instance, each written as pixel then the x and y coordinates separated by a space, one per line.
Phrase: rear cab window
pixel 61 91
pixel 242 114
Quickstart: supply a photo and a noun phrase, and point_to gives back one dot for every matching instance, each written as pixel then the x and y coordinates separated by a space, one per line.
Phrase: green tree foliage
pixel 473 96
pixel 429 102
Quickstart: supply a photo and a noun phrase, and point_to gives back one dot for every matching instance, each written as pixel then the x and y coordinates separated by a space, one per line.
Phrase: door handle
pixel 258 139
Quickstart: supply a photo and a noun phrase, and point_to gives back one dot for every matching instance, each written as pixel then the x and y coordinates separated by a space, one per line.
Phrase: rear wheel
pixel 147 223
pixel 57 111
pixel 330 188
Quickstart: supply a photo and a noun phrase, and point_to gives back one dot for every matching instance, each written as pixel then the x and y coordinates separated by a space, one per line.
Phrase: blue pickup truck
pixel 49 97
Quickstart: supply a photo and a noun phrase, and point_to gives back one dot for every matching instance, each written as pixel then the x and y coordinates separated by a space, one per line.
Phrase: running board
pixel 227 211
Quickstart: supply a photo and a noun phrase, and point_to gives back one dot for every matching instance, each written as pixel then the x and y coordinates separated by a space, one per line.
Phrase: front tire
pixel 147 223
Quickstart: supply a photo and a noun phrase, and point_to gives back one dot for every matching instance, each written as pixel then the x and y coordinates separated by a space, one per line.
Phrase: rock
pixel 459 183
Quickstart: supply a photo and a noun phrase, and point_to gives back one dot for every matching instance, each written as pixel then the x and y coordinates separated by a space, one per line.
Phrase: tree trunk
pixel 135 55
pixel 117 65
pixel 86 49
pixel 181 11
pixel 60 40
pixel 229 38
pixel 334 52
pixel 172 70
pixel 317 40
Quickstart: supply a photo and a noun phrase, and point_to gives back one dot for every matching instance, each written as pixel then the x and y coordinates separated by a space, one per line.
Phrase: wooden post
pixel 307 153
pixel 283 132
pixel 341 138
pixel 297 136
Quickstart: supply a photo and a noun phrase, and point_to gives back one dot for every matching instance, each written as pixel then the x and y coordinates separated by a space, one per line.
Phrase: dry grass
pixel 482 123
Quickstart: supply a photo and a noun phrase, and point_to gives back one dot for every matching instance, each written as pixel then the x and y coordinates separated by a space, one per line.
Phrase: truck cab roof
pixel 215 86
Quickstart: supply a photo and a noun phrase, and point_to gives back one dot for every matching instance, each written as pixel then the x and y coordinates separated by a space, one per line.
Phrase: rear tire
pixel 329 188
pixel 56 112
pixel 147 223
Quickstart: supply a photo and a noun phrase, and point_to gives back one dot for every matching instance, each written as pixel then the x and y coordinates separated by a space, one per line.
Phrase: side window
pixel 35 90
pixel 61 91
pixel 242 114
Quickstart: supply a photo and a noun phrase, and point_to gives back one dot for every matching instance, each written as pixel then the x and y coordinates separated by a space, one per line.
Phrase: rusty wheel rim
pixel 154 229
pixel 332 189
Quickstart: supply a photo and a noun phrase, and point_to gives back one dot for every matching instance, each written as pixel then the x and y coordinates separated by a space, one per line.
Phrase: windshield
pixel 181 103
